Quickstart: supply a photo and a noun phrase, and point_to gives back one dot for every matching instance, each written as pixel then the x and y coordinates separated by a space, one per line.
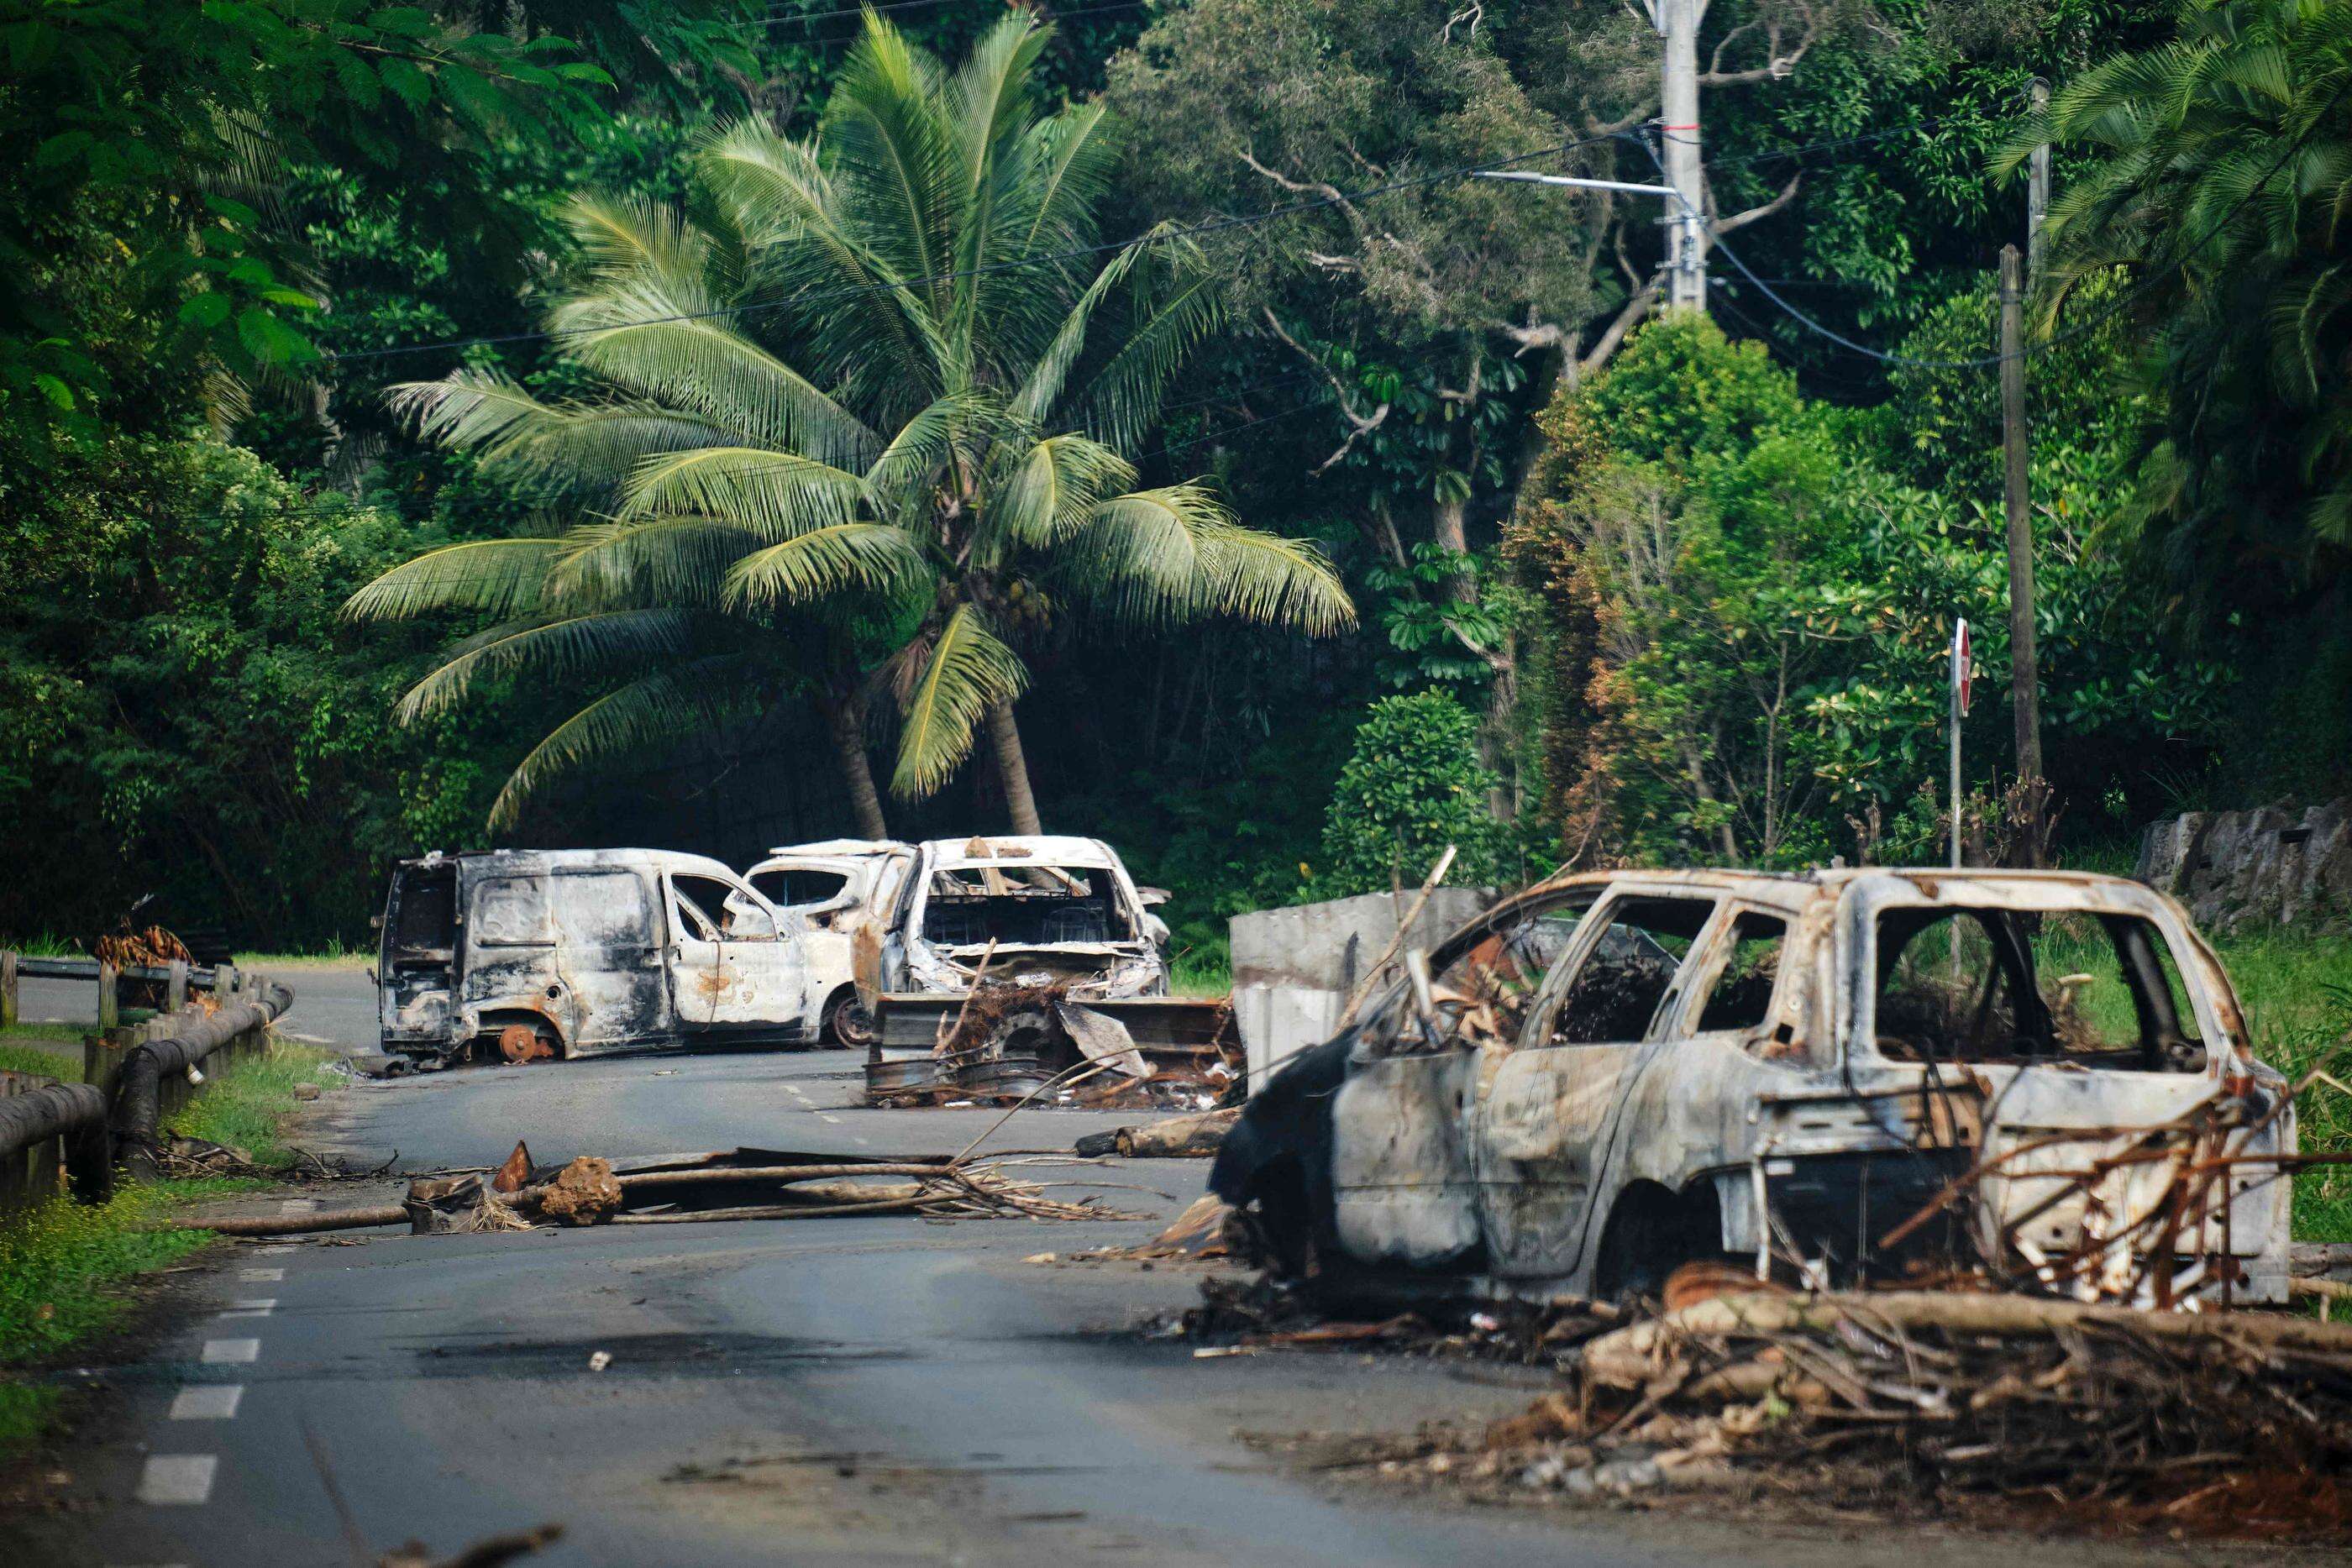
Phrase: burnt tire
pixel 845 1022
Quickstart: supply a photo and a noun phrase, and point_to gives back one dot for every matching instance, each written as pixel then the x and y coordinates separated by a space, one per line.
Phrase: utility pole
pixel 1677 22
pixel 2024 673
pixel 2037 192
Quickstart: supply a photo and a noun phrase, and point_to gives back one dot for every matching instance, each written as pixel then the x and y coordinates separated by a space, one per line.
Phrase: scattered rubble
pixel 740 1183
pixel 1018 1043
pixel 1981 1408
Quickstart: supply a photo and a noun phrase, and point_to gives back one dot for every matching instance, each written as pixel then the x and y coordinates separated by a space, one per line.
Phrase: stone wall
pixel 2272 865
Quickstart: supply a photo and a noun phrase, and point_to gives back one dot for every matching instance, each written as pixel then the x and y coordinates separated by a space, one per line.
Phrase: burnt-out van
pixel 523 955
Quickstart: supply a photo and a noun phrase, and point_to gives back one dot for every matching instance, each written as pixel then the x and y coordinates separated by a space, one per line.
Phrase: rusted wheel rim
pixel 519 1043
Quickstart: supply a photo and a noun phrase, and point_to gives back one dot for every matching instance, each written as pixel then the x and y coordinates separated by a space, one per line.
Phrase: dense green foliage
pixel 1751 604
pixel 1655 589
pixel 923 470
pixel 1413 786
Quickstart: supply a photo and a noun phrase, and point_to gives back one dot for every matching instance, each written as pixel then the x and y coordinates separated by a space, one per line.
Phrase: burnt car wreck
pixel 1009 962
pixel 2040 1080
pixel 531 954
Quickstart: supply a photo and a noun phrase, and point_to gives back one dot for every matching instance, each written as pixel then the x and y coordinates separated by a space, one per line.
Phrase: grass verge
pixel 64 1267
pixel 2297 989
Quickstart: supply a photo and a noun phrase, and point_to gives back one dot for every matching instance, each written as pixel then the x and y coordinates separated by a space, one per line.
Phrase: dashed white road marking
pixel 823 1117
pixel 252 1307
pixel 230 1352
pixel 297 1206
pixel 178 1479
pixel 207 1402
pixel 275 1248
pixel 796 1093
pixel 260 1276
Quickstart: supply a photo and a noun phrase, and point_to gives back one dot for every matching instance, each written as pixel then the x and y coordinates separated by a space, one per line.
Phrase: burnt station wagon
pixel 1613 1074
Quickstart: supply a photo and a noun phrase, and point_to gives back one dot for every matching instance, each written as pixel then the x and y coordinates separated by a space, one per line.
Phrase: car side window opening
pixel 1996 985
pixel 1483 994
pixel 1741 996
pixel 1023 904
pixel 1625 975
pixel 797 887
pixel 709 916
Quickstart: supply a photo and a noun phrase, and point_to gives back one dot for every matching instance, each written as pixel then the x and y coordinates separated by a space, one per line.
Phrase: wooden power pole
pixel 2024 673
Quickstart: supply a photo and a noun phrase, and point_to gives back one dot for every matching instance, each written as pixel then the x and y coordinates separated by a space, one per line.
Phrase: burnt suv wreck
pixel 1009 961
pixel 534 954
pixel 1841 1077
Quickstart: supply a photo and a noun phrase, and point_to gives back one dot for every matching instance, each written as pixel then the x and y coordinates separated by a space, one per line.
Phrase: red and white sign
pixel 1961 671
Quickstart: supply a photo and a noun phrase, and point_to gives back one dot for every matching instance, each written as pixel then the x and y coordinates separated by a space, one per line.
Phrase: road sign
pixel 1960 670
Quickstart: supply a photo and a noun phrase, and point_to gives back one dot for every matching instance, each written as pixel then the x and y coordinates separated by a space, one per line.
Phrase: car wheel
pixel 846 1023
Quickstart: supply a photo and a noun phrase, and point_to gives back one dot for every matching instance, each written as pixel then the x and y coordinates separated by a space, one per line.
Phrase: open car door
pixel 729 964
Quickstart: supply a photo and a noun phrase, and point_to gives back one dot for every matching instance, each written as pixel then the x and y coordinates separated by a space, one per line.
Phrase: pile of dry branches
pixel 1985 1408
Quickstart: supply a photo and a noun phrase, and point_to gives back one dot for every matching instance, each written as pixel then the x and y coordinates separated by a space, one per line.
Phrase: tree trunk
pixel 845 716
pixel 1450 527
pixel 1012 767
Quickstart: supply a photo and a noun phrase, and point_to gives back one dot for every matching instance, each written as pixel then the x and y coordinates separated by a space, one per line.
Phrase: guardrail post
pixel 101 1058
pixel 8 1009
pixel 175 989
pixel 109 999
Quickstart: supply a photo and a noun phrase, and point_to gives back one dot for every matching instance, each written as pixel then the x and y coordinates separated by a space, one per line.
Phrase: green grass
pixel 52 1049
pixel 1200 973
pixel 2296 990
pixel 247 1103
pixel 333 955
pixel 62 1270
pixel 64 1265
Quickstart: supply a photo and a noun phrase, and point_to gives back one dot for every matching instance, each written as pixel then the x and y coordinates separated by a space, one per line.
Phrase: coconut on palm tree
pixel 870 401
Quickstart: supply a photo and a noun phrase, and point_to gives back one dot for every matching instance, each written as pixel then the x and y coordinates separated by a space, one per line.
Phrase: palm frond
pixel 666 706
pixel 887 132
pixel 1052 491
pixel 841 558
pixel 776 493
pixel 1171 555
pixel 621 235
pixel 501 577
pixel 559 649
pixel 584 444
pixel 662 343
pixel 671 557
pixel 968 670
pixel 1120 402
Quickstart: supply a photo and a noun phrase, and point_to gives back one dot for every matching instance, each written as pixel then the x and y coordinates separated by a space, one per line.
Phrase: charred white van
pixel 531 954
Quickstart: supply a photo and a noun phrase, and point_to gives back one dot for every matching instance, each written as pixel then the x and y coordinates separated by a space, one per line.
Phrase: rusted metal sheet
pixel 1009 1041
pixel 2040 1076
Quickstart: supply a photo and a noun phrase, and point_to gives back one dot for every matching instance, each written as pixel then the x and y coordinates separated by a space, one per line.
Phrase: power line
pixel 811 296
pixel 2096 320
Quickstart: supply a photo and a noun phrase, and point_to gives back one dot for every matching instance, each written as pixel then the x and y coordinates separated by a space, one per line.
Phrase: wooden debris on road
pixel 740 1183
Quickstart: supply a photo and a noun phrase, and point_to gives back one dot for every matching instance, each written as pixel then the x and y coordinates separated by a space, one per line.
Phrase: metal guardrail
pixel 130 1076
pixel 178 980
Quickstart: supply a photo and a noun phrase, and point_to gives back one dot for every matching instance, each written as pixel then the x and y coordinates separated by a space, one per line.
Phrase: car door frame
pixel 757 985
pixel 1514 1126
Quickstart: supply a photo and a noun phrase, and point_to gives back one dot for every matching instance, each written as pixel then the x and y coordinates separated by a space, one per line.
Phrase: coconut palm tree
pixel 878 389
pixel 2214 175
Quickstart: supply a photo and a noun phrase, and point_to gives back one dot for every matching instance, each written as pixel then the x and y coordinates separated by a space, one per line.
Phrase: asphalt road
pixel 874 1390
